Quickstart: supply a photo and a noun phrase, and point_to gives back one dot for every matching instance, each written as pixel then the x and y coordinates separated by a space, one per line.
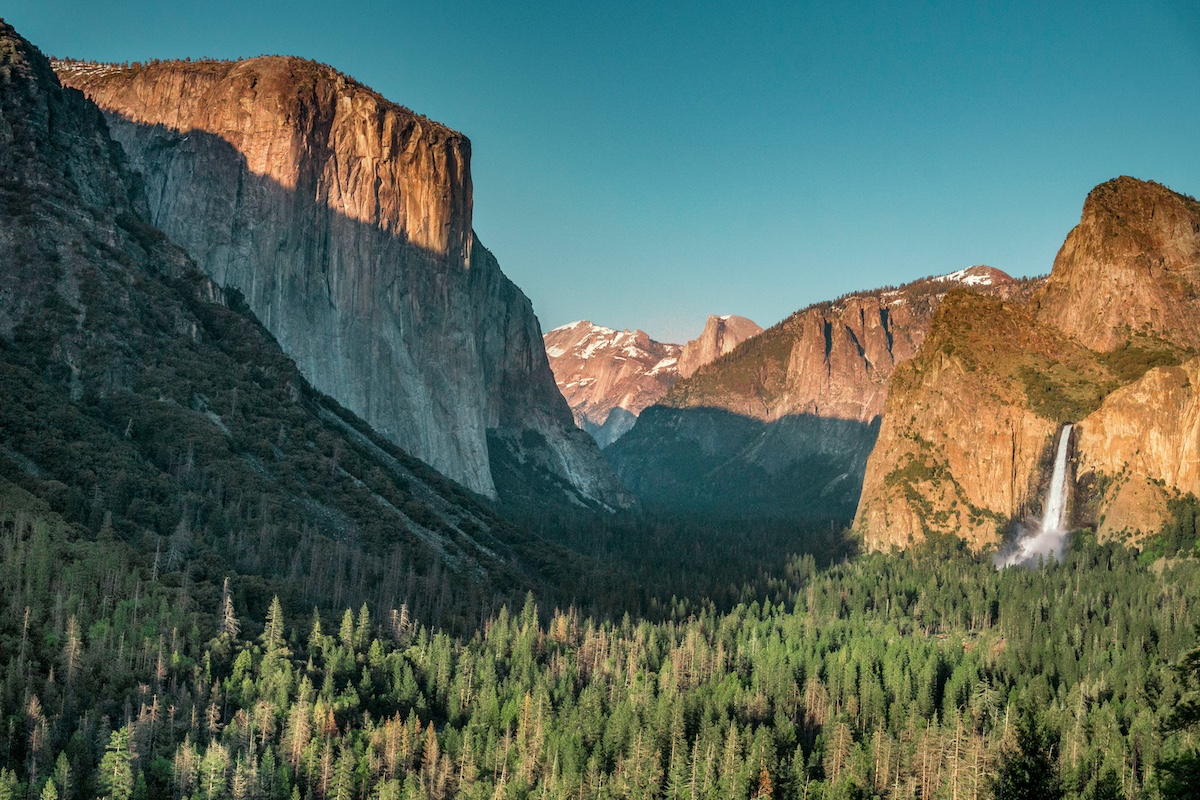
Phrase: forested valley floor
pixel 928 674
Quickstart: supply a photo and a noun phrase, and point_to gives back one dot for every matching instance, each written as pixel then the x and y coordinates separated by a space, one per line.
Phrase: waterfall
pixel 1051 536
pixel 1054 515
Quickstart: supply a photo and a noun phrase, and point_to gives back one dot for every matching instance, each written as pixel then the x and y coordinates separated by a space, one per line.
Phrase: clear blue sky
pixel 644 165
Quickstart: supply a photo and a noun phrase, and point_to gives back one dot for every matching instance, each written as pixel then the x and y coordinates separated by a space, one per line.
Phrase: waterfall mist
pixel 1050 538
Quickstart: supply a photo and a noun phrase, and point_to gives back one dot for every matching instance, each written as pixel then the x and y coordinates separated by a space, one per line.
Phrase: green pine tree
pixel 116 768
pixel 1027 771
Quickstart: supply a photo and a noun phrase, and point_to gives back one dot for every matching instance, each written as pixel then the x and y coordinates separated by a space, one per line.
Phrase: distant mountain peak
pixel 721 335
pixel 978 275
pixel 608 376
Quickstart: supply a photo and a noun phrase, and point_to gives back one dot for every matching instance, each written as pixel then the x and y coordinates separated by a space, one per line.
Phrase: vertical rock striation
pixel 345 221
pixel 1145 443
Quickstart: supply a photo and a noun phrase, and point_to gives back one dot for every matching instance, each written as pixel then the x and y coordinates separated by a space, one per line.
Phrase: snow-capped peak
pixel 978 275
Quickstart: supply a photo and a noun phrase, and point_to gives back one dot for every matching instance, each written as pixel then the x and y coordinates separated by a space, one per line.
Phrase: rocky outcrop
pixel 1140 448
pixel 608 377
pixel 721 335
pixel 345 221
pixel 965 443
pixel 784 423
pixel 142 400
pixel 1131 268
pixel 963 446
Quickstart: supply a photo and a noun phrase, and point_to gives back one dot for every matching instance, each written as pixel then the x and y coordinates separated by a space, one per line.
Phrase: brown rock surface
pixel 962 447
pixel 1145 439
pixel 345 221
pixel 607 376
pixel 720 335
pixel 965 442
pixel 832 359
pixel 1131 266
pixel 789 417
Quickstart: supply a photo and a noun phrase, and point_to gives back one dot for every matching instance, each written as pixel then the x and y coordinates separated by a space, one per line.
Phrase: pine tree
pixel 272 635
pixel 229 624
pixel 1027 769
pixel 116 768
pixel 1183 771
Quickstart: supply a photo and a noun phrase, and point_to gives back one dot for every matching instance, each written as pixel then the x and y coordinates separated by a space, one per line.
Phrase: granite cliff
pixel 1130 269
pixel 144 402
pixel 783 423
pixel 1107 342
pixel 345 221
pixel 965 440
pixel 720 335
pixel 1140 449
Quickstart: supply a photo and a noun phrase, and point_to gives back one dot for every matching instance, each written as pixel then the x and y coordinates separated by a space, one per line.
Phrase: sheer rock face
pixel 1145 438
pixel 832 359
pixel 345 221
pixel 126 375
pixel 799 402
pixel 960 449
pixel 720 336
pixel 608 377
pixel 1131 266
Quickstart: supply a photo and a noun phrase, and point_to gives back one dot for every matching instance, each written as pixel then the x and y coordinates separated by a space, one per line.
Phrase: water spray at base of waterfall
pixel 1050 539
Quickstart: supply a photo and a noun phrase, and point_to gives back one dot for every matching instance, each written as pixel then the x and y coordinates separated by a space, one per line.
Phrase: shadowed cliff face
pixel 137 394
pixel 345 220
pixel 731 465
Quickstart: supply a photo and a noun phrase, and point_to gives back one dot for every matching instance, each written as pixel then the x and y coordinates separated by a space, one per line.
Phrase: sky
pixel 644 165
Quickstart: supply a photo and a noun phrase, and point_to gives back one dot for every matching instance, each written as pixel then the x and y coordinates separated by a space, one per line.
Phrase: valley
pixel 297 500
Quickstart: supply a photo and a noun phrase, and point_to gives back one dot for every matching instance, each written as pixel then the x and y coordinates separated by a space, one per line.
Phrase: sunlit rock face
pixel 721 335
pixel 345 221
pixel 961 448
pixel 1130 268
pixel 1145 440
pixel 608 377
pixel 1107 341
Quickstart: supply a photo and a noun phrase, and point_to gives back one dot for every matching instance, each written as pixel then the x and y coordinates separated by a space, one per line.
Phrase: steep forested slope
pixel 889 676
pixel 142 401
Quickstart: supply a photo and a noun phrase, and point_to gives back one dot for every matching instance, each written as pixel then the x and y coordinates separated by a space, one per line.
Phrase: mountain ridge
pixel 787 419
pixel 147 405
pixel 609 377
